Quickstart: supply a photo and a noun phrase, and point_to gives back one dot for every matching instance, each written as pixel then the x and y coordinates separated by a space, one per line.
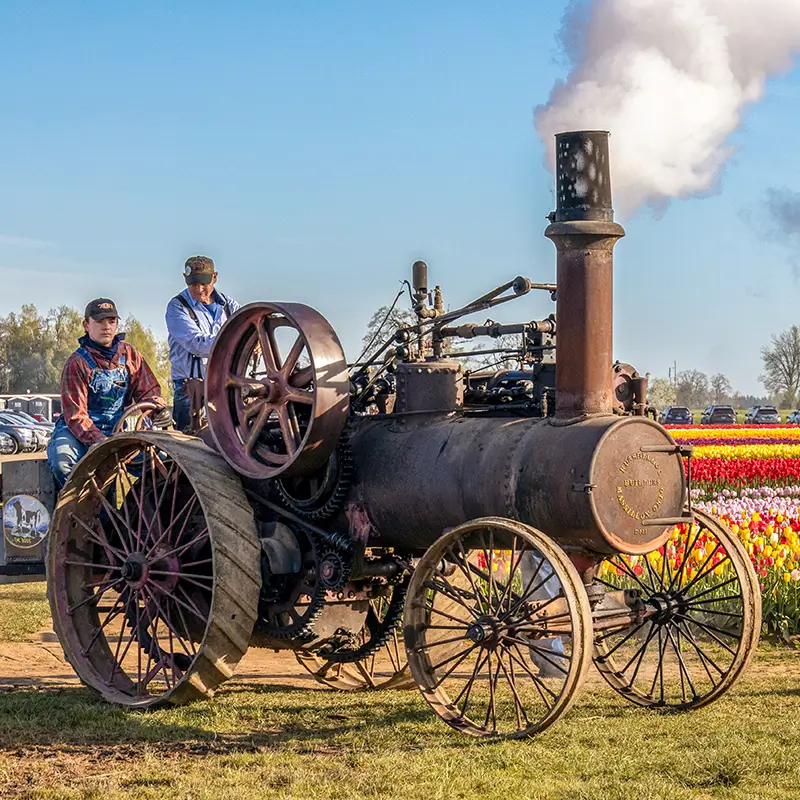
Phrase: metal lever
pixel 683 450
pixel 664 521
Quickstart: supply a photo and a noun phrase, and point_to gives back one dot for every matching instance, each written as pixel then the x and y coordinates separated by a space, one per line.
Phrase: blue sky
pixel 316 149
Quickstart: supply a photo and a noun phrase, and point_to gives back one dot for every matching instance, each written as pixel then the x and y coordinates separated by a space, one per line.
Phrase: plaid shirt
pixel 75 380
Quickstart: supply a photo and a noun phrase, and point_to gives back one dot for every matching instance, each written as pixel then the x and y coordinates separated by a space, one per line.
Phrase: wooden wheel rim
pixel 179 648
pixel 574 617
pixel 308 404
pixel 709 641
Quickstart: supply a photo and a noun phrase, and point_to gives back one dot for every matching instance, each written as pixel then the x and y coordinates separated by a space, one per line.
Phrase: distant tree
pixel 747 400
pixel 781 365
pixel 692 388
pixel 65 325
pixel 155 351
pixel 721 389
pixel 661 393
pixel 498 361
pixel 385 323
pixel 33 348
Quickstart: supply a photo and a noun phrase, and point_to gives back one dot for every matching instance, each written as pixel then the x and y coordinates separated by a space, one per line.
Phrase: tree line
pixel 34 347
pixel 780 375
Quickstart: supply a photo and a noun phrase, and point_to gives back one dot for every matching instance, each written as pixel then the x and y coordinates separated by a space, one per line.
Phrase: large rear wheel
pixel 153 570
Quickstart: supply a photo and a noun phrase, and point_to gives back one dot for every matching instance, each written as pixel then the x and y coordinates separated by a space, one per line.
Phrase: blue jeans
pixel 181 407
pixel 63 452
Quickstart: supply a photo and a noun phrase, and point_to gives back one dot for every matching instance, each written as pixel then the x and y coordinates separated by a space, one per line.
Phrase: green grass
pixel 257 741
pixel 254 742
pixel 23 611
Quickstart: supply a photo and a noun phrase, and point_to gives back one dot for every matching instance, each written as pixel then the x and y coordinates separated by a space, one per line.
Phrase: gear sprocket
pixel 290 604
pixel 377 630
pixel 321 495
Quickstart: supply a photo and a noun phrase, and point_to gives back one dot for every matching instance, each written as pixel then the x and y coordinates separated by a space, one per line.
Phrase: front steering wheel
pixel 138 417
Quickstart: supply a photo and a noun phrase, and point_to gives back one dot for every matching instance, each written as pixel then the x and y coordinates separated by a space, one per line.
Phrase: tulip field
pixel 749 477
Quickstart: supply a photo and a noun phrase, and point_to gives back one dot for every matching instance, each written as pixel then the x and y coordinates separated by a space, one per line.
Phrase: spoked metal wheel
pixel 153 570
pixel 497 629
pixel 385 669
pixel 699 616
pixel 277 390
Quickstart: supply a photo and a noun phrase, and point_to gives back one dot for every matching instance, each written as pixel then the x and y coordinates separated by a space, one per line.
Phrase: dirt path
pixel 40 663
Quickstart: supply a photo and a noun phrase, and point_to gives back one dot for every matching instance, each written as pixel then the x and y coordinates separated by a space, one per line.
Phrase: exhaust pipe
pixel 584 232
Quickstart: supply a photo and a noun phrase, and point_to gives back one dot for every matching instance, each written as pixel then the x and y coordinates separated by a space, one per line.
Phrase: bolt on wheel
pixel 699 624
pixel 153 595
pixel 497 629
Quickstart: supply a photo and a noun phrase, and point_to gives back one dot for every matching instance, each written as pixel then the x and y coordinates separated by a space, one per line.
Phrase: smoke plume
pixel 670 80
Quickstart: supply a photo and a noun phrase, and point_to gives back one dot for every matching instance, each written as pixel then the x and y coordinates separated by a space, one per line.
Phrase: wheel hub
pixel 666 605
pixel 134 569
pixel 485 631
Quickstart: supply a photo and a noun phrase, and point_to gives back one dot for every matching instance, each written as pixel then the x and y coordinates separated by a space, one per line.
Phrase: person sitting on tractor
pixel 103 377
pixel 194 318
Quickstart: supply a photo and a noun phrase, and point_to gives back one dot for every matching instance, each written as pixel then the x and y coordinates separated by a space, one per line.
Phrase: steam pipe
pixel 584 233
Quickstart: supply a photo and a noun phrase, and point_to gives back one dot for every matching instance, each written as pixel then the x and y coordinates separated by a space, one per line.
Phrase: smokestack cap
pixel 583 178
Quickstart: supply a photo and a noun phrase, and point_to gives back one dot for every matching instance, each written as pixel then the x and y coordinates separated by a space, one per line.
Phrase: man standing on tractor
pixel 103 377
pixel 194 318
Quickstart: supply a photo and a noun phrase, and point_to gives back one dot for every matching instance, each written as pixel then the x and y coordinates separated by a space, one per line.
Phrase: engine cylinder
pixel 596 484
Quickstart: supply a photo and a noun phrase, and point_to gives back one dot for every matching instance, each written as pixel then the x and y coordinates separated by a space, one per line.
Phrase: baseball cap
pixel 102 308
pixel 198 269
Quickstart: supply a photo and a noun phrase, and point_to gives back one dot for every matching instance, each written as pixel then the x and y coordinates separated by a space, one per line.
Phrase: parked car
pixel 7 445
pixel 676 415
pixel 25 440
pixel 37 420
pixel 794 417
pixel 718 415
pixel 762 415
pixel 41 432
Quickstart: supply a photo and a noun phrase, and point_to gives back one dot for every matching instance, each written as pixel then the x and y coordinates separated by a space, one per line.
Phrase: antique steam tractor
pixel 521 522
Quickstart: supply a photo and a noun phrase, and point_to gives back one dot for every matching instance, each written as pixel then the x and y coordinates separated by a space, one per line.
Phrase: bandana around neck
pixel 106 352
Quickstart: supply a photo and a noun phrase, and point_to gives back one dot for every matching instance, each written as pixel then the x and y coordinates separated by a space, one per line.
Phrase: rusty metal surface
pixel 584 308
pixel 588 485
pixel 584 234
pixel 429 386
pixel 271 412
pixel 153 569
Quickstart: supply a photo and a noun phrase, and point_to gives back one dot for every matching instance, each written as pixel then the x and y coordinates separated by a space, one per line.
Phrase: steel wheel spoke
pixel 540 685
pixel 293 356
pixel 96 596
pixel 519 709
pixel 271 360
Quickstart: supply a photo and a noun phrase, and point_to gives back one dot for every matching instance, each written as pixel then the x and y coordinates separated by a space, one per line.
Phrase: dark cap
pixel 198 269
pixel 102 308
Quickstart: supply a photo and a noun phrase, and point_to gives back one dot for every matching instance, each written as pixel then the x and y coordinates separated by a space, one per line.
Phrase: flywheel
pixel 277 390
pixel 153 569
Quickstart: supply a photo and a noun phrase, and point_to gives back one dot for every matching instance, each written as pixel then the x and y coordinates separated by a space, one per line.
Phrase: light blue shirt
pixel 188 339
